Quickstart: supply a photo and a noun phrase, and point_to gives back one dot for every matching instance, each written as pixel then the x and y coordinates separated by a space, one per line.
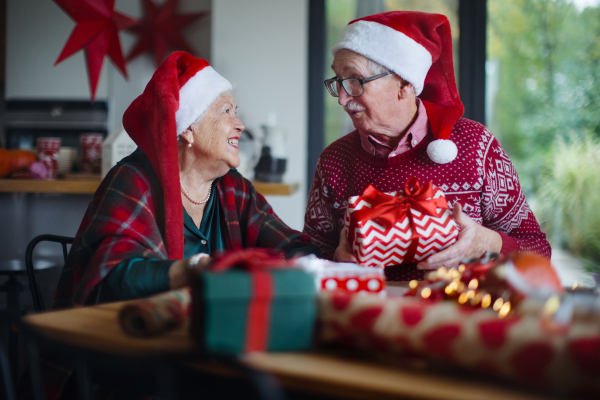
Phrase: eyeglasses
pixel 353 86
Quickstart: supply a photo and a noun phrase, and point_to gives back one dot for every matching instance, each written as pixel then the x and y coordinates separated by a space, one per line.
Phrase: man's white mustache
pixel 353 106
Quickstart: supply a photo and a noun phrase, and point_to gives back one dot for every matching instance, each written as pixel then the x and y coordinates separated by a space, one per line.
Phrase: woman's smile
pixel 233 141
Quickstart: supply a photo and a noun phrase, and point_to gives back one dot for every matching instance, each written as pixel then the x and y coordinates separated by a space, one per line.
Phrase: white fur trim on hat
pixel 197 95
pixel 388 47
pixel 442 151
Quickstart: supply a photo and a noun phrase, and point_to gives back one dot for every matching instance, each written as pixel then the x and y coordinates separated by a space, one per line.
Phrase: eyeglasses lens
pixel 353 87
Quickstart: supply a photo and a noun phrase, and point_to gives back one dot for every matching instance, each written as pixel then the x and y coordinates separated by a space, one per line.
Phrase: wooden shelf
pixel 88 185
pixel 51 186
pixel 275 189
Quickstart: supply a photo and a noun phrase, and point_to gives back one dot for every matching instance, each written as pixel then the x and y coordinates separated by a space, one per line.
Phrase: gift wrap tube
pixel 156 314
pixel 522 346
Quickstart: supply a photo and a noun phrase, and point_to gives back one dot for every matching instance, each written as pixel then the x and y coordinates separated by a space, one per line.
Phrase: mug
pixel 91 152
pixel 48 148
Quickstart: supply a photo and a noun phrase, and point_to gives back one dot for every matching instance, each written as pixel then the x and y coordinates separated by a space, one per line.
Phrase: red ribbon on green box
pixel 257 262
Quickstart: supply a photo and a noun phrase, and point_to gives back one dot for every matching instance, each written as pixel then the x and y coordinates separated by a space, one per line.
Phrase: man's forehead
pixel 349 61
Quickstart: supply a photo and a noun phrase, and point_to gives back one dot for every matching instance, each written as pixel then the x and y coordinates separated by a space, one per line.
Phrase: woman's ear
pixel 187 137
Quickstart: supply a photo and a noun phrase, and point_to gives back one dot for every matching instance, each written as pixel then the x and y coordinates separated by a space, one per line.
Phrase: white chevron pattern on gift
pixel 376 246
pixel 401 245
pixel 371 231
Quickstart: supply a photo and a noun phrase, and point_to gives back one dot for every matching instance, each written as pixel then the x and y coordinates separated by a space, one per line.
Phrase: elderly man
pixel 394 77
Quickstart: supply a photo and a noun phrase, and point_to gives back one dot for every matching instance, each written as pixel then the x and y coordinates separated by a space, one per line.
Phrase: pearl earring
pixel 189 145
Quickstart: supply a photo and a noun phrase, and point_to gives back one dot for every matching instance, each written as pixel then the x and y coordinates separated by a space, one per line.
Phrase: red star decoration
pixel 97 30
pixel 160 29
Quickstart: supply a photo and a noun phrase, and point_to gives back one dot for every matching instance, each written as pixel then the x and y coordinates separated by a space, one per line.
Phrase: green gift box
pixel 238 311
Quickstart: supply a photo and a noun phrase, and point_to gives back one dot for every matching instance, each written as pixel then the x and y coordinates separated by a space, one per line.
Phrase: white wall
pixel 262 48
pixel 36 32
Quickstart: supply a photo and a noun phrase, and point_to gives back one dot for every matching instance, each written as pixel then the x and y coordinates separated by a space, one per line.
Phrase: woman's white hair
pixel 225 93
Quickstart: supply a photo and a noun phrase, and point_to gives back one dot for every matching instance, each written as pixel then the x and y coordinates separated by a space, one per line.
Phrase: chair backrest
pixel 64 241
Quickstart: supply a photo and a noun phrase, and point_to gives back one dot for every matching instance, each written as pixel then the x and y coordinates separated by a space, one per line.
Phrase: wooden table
pixel 97 328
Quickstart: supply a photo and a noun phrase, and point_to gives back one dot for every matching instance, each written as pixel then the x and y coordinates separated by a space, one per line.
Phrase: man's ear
pixel 406 90
pixel 187 137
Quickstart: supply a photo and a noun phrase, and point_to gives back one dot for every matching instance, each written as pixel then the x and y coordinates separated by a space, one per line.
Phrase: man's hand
pixel 473 241
pixel 343 252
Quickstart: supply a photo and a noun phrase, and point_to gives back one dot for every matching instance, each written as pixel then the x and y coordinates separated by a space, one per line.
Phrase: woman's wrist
pixel 179 274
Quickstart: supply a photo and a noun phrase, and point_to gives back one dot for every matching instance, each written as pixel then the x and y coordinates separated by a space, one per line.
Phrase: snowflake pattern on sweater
pixel 482 179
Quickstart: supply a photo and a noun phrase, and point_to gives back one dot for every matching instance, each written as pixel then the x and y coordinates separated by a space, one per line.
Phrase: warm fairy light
pixel 426 292
pixel 461 287
pixel 504 310
pixel 462 299
pixel 413 284
pixel 451 288
pixel 452 274
pixel 441 272
pixel 470 294
pixel 432 276
pixel 498 304
pixel 477 299
pixel 552 305
pixel 486 301
pixel 461 268
pixel 473 284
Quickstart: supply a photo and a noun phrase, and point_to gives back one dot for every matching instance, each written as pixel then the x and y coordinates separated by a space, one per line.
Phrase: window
pixel 543 105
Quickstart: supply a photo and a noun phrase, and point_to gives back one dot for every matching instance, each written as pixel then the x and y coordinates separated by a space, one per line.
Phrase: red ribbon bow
pixel 386 210
pixel 252 260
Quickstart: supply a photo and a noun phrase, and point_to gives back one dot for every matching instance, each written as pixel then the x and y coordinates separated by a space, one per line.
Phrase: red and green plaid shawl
pixel 126 220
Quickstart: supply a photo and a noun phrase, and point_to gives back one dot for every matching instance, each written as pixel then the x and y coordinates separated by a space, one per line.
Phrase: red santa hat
pixel 180 91
pixel 418 47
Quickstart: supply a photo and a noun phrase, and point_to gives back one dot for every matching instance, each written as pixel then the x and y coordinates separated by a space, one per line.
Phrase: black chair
pixel 8 387
pixel 64 241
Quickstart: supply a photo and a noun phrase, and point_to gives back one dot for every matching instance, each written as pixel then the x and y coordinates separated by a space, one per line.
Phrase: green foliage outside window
pixel 546 111
pixel 570 189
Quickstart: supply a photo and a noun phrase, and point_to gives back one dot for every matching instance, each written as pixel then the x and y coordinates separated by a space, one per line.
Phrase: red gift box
pixel 345 277
pixel 399 228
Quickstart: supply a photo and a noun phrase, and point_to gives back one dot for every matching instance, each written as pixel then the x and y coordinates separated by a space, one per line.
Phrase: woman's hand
pixel 179 274
pixel 180 271
pixel 343 252
pixel 473 241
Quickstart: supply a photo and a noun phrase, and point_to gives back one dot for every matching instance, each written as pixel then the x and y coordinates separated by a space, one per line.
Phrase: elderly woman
pixel 394 76
pixel 176 198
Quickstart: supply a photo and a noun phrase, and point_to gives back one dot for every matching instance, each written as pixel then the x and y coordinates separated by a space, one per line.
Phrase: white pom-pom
pixel 442 151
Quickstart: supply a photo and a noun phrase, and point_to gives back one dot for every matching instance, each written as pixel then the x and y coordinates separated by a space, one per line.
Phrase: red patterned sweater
pixel 482 179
